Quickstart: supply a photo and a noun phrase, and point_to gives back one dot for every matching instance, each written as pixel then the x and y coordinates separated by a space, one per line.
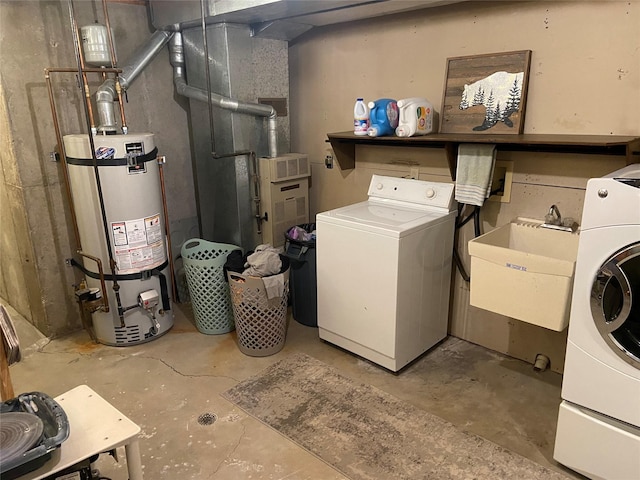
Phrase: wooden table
pixel 95 426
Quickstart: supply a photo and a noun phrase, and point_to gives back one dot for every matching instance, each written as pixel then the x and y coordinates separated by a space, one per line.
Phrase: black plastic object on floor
pixel 302 258
pixel 19 454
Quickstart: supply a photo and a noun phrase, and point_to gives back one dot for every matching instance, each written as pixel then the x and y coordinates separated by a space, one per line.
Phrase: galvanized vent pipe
pixel 176 56
pixel 107 92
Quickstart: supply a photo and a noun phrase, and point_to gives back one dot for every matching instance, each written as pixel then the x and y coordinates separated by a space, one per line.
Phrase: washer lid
pixel 629 172
pixel 393 220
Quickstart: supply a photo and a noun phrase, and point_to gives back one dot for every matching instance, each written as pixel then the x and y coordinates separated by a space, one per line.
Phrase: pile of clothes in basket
pixel 265 262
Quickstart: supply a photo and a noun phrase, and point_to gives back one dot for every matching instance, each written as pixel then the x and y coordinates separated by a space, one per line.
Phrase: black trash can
pixel 303 284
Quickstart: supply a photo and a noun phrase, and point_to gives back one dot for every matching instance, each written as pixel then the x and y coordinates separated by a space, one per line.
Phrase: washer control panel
pixel 420 192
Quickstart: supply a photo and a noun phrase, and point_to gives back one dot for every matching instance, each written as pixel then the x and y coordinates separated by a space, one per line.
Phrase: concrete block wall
pixel 36 35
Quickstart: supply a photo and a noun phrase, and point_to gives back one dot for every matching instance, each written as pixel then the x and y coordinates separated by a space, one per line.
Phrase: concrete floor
pixel 166 384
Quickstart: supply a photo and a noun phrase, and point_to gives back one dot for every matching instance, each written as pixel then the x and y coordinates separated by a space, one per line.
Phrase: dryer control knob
pixel 602 193
pixel 431 193
pixel 379 186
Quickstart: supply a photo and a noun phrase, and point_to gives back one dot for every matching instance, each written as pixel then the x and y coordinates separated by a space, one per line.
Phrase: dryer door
pixel 615 303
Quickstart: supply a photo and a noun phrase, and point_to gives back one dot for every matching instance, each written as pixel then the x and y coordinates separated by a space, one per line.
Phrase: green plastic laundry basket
pixel 203 265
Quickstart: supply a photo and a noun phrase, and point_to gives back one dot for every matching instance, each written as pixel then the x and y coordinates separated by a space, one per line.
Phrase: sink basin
pixel 525 272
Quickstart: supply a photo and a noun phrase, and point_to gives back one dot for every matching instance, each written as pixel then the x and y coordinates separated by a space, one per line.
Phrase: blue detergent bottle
pixel 383 115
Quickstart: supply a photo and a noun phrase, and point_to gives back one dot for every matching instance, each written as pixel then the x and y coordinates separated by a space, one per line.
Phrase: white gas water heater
pixel 130 182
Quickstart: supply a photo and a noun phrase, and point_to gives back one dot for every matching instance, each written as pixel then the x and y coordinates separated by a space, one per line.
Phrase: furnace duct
pixel 176 53
pixel 107 92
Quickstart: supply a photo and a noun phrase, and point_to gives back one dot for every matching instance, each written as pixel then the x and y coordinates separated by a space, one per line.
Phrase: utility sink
pixel 525 272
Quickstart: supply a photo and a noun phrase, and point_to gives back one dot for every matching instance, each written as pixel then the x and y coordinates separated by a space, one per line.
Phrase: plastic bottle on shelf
pixel 360 117
pixel 383 115
pixel 416 117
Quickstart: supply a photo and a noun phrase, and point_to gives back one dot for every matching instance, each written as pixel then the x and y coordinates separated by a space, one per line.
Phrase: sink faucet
pixel 553 217
pixel 553 220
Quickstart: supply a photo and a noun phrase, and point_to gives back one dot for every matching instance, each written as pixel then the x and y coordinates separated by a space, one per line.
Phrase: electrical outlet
pixel 414 173
pixel 502 180
pixel 328 160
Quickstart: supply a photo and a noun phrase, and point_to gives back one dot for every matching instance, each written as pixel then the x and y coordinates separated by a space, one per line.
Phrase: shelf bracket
pixel 451 151
pixel 345 153
pixel 633 152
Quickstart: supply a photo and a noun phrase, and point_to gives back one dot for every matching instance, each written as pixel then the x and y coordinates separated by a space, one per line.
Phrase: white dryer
pixel 384 270
pixel 598 431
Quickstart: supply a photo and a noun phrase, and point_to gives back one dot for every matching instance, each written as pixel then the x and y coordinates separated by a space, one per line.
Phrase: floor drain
pixel 207 418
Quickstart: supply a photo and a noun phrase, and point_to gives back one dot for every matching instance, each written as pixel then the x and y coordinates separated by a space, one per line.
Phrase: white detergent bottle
pixel 360 117
pixel 416 117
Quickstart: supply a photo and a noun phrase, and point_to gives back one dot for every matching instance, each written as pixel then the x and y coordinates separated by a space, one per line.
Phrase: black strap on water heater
pixel 114 162
pixel 156 272
pixel 164 291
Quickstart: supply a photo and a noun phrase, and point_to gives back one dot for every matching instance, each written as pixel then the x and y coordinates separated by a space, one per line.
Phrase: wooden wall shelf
pixel 344 145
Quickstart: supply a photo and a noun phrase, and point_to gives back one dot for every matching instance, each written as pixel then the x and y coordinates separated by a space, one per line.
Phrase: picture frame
pixel 486 94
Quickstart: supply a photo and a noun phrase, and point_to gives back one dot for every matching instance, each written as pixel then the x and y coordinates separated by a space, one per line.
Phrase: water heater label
pixel 152 227
pixel 139 244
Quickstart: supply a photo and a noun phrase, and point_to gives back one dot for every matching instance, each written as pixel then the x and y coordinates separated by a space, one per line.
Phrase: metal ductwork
pixel 248 61
pixel 176 56
pixel 107 92
pixel 278 19
pixel 223 72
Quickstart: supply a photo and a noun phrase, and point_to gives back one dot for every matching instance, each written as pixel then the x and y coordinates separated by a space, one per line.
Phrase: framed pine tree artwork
pixel 486 94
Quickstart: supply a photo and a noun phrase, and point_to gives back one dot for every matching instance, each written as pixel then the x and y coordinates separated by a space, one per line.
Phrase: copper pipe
pixel 87 97
pixel 96 170
pixel 56 125
pixel 88 70
pixel 174 287
pixel 63 157
pixel 112 51
pixel 109 38
pixel 122 117
pixel 105 300
pixel 101 70
pixel 85 83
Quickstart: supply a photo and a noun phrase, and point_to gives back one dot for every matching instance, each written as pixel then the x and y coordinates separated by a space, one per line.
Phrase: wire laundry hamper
pixel 203 265
pixel 261 323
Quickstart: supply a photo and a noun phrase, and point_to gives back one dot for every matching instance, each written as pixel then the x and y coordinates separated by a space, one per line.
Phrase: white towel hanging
pixel 474 172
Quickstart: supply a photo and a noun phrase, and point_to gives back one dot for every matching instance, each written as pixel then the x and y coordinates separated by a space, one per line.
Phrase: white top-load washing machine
pixel 598 431
pixel 384 270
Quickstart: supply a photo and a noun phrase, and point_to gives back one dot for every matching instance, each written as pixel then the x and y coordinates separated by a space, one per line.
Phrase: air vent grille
pixel 286 167
pixel 303 166
pixel 281 169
